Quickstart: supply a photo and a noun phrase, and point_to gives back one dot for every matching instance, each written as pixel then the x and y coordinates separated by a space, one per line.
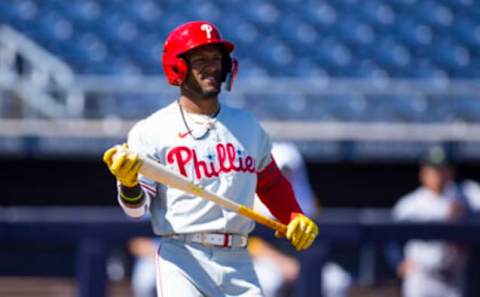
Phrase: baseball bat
pixel 163 175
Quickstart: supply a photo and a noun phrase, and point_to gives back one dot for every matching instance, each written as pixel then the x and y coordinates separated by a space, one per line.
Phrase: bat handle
pixel 259 218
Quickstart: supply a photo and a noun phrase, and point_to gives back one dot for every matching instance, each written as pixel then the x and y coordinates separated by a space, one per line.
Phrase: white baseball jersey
pixel 225 161
pixel 432 258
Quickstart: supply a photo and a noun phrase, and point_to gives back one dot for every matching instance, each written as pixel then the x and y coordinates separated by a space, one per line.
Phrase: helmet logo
pixel 208 30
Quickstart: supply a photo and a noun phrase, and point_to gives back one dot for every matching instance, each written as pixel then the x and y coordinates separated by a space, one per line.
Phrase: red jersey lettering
pixel 227 159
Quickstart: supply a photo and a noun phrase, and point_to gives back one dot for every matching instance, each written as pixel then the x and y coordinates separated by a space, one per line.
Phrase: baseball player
pixel 223 149
pixel 432 268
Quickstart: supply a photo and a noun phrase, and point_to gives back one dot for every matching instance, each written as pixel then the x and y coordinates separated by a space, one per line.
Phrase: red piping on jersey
pixel 148 188
pixel 276 192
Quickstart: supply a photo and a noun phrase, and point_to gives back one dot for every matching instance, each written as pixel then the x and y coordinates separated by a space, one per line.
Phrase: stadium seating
pixel 337 36
pixel 284 38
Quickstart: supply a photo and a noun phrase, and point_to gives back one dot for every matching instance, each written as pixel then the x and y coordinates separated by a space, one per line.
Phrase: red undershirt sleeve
pixel 276 192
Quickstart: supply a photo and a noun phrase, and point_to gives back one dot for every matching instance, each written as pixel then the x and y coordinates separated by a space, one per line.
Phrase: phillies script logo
pixel 228 159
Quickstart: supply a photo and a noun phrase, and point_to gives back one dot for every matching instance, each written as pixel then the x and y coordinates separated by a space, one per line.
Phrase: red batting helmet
pixel 187 37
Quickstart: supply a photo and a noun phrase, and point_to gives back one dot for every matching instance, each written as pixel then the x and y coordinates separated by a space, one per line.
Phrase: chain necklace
pixel 208 125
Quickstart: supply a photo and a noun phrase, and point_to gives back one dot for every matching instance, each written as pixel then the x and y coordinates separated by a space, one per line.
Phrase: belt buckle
pixel 227 241
pixel 203 237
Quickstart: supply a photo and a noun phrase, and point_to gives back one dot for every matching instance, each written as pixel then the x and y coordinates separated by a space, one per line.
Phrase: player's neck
pixel 199 106
pixel 438 190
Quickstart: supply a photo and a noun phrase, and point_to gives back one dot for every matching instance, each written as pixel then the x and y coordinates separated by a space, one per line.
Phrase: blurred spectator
pixel 143 273
pixel 291 163
pixel 471 191
pixel 433 268
pixel 276 270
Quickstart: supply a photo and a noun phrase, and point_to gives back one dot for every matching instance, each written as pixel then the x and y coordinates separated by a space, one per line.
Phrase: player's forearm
pixel 132 200
pixel 275 191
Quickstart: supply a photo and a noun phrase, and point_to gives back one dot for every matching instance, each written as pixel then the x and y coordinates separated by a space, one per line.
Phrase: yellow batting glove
pixel 301 231
pixel 123 164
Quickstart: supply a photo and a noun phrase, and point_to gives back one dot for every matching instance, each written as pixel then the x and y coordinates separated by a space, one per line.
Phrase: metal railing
pixel 30 73
pixel 117 102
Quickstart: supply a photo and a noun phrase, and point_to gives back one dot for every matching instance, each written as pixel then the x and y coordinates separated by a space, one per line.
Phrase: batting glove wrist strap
pixel 134 199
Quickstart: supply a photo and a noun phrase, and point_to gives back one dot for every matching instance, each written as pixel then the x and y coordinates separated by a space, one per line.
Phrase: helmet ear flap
pixel 226 66
pixel 176 69
pixel 231 75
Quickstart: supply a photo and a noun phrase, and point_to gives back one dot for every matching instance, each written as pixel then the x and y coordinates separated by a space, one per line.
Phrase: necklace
pixel 208 124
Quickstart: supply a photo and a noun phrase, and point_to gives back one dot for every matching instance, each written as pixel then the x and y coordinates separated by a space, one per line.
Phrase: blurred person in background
pixel 143 250
pixel 471 190
pixel 433 268
pixel 276 270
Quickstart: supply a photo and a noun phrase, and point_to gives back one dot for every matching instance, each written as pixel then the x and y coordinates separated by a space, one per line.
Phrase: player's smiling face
pixel 206 69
